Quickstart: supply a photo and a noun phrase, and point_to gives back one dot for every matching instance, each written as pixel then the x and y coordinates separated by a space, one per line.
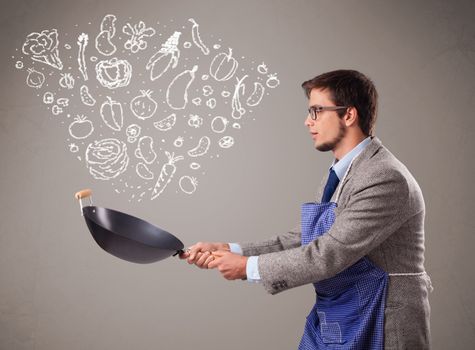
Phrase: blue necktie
pixel 330 187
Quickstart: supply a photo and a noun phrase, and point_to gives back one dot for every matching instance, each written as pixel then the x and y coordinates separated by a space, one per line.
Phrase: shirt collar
pixel 342 165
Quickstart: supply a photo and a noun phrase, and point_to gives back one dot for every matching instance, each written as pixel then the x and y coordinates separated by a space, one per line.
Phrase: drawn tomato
pixel 81 128
pixel 114 73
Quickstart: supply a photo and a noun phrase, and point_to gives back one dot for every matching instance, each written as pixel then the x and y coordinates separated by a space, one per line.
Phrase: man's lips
pixel 314 134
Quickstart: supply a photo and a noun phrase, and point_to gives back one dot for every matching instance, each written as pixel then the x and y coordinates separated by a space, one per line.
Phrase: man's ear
pixel 351 117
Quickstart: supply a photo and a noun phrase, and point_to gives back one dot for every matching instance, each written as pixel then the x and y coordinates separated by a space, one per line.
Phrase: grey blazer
pixel 380 215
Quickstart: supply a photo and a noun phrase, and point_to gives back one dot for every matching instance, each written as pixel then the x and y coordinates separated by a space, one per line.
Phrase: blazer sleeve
pixel 375 209
pixel 288 240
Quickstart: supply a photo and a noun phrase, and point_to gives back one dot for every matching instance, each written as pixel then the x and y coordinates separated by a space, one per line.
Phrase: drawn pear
pixel 104 44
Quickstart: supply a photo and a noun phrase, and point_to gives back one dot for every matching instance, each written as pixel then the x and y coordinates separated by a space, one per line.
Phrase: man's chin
pixel 324 147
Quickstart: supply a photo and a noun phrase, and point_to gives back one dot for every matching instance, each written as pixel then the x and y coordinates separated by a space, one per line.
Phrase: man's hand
pixel 200 253
pixel 232 266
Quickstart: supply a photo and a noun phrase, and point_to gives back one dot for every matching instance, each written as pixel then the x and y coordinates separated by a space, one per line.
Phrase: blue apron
pixel 349 311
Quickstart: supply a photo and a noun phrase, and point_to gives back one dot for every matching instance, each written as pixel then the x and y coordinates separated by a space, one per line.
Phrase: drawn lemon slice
pixel 166 123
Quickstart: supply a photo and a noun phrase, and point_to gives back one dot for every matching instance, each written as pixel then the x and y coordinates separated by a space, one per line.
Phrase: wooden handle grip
pixel 83 194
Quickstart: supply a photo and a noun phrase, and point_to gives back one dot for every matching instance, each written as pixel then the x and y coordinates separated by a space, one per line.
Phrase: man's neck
pixel 346 145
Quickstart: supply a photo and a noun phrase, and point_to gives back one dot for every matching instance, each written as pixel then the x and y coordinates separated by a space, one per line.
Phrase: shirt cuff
pixel 252 270
pixel 235 248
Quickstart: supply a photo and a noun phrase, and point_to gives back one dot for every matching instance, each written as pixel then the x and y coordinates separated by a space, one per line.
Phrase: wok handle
pixel 83 194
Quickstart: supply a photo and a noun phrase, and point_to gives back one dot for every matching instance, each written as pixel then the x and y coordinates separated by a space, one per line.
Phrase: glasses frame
pixel 314 110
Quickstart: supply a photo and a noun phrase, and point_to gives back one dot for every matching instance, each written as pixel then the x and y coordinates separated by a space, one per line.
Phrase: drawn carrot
pixel 166 174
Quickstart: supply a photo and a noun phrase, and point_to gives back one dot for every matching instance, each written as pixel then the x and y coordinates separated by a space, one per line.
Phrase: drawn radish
pixel 35 79
pixel 143 106
pixel 177 92
pixel 166 174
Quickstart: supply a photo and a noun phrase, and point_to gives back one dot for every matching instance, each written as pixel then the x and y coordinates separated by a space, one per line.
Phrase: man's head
pixel 352 91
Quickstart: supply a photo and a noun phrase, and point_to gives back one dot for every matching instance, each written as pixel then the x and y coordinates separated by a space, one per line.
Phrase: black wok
pixel 127 237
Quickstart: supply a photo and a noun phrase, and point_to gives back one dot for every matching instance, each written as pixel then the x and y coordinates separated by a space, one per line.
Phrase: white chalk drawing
pixel 86 96
pixel 112 114
pixel 195 34
pixel 106 159
pixel 48 97
pixel 73 148
pixel 165 58
pixel 137 34
pixel 262 68
pixel 63 101
pixel 104 44
pixel 219 124
pixel 178 141
pixel 145 150
pixel 223 66
pixel 81 128
pixel 35 79
pixel 167 123
pixel 143 106
pixel 83 40
pixel 238 110
pixel 114 57
pixel 195 166
pixel 177 91
pixel 43 47
pixel 211 103
pixel 202 147
pixel 133 132
pixel 226 142
pixel 56 110
pixel 195 121
pixel 66 81
pixel 188 184
pixel 256 97
pixel 196 101
pixel 166 174
pixel 114 73
pixel 207 90
pixel 143 171
pixel 272 81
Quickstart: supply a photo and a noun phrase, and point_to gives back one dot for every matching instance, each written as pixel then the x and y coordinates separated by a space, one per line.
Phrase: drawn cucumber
pixel 201 148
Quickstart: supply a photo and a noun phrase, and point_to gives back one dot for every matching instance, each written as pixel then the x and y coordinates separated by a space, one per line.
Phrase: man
pixel 361 244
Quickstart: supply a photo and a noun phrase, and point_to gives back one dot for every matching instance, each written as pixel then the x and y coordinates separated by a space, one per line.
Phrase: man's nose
pixel 308 121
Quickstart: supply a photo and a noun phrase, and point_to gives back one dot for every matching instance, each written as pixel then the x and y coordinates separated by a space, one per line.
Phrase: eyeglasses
pixel 314 110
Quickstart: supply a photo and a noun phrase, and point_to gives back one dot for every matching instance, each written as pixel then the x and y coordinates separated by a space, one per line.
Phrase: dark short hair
pixel 349 88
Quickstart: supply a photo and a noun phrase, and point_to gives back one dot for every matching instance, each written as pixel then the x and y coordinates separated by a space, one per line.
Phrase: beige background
pixel 58 290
